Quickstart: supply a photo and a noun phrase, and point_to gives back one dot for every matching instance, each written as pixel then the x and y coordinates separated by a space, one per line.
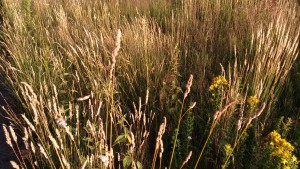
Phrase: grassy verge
pixel 107 84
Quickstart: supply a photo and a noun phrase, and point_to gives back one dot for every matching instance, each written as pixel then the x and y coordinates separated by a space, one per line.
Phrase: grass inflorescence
pixel 150 84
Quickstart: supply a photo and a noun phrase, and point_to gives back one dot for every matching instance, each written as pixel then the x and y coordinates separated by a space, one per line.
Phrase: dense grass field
pixel 153 83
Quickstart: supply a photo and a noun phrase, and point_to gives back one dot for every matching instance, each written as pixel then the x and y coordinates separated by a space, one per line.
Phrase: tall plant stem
pixel 234 146
pixel 210 132
pixel 176 134
pixel 255 115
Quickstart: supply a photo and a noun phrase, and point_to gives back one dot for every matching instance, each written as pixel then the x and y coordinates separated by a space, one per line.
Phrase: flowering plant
pixel 280 152
pixel 218 83
pixel 252 102
pixel 217 89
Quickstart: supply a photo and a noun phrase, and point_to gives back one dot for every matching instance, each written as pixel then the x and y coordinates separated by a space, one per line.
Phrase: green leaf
pixel 139 165
pixel 174 97
pixel 123 117
pixel 91 147
pixel 88 139
pixel 126 162
pixel 120 139
pixel 129 138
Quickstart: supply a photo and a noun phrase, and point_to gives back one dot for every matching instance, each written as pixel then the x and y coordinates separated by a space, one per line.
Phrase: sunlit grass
pixel 99 79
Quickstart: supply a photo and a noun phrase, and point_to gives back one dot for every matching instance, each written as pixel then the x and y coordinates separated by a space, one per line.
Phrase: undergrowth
pixel 150 84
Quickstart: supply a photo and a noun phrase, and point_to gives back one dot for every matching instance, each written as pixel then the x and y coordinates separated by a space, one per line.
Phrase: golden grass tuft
pixel 79 69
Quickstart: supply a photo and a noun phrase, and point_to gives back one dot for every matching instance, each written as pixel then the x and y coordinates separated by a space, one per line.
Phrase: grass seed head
pixel 188 86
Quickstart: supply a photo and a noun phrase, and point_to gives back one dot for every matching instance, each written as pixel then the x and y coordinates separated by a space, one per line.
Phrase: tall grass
pixel 98 79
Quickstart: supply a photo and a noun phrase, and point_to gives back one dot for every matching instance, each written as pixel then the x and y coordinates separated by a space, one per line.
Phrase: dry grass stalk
pixel 54 142
pixel 239 123
pixel 85 163
pixel 159 145
pixel 28 123
pixel 77 120
pixel 7 136
pixel 186 159
pixel 26 135
pixel 32 147
pixel 67 129
pixel 73 41
pixel 66 163
pixel 219 113
pixel 188 86
pixel 42 150
pixel 59 138
pixel 115 53
pixel 13 134
pixel 256 114
pixel 147 97
pixel 14 165
pixel 9 132
pixel 84 98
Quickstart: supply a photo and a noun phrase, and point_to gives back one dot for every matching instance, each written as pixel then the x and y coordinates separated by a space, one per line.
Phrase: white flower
pixel 189 138
pixel 104 159
pixel 61 122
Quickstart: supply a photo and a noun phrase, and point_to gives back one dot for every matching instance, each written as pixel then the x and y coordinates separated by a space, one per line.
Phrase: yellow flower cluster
pixel 217 83
pixel 228 148
pixel 252 102
pixel 282 149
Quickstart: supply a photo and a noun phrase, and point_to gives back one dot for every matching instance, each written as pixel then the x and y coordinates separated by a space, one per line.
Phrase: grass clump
pixel 108 84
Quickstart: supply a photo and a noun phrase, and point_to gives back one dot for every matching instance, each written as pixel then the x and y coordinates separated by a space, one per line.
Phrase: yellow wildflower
pixel 228 147
pixel 294 158
pixel 274 134
pixel 218 82
pixel 252 102
pixel 282 149
pixel 283 161
pixel 211 87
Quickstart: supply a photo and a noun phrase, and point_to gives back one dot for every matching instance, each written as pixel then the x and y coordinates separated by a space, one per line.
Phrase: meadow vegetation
pixel 154 83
